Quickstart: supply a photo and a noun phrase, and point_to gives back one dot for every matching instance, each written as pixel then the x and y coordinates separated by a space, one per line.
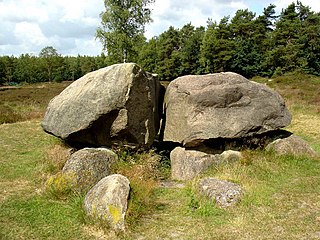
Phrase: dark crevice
pixel 218 145
pixel 257 141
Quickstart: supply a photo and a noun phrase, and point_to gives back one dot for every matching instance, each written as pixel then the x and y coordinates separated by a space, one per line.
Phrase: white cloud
pixel 180 12
pixel 29 25
pixel 27 10
pixel 70 25
pixel 87 47
pixel 282 4
pixel 29 34
pixel 238 5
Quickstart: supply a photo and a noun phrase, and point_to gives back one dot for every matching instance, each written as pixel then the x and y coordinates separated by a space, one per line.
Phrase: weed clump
pixel 60 186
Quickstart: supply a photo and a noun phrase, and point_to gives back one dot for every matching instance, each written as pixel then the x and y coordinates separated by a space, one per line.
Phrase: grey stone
pixel 116 104
pixel 224 193
pixel 187 164
pixel 108 201
pixel 89 165
pixel 222 105
pixel 231 156
pixel 293 145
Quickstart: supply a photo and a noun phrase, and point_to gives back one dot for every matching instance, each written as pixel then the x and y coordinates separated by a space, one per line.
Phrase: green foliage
pixel 168 58
pixel 28 68
pixel 265 45
pixel 123 27
pixel 50 58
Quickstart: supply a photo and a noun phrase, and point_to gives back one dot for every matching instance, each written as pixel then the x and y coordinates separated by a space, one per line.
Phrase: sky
pixel 27 26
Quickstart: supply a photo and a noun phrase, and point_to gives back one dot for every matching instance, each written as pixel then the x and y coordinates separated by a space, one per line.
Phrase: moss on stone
pixel 115 213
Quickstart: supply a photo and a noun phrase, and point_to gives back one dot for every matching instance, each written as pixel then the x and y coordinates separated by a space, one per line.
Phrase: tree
pixel 122 26
pixel 24 69
pixel 9 66
pixel 208 48
pixel 2 71
pixel 168 46
pixel 287 54
pixel 87 64
pixel 49 56
pixel 217 47
pixel 264 27
pixel 310 38
pixel 246 59
pixel 148 55
pixel 189 54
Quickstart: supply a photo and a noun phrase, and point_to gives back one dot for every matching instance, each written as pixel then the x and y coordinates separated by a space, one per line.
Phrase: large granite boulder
pixel 88 166
pixel 119 103
pixel 292 145
pixel 108 201
pixel 222 105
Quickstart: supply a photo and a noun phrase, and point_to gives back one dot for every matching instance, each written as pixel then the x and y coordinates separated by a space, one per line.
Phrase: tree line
pixel 264 45
pixel 46 67
pixel 247 44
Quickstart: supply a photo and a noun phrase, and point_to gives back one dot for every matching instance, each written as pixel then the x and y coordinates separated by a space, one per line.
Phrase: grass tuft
pixel 60 186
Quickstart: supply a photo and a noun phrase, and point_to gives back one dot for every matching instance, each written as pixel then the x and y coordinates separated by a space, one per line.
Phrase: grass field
pixel 27 102
pixel 281 201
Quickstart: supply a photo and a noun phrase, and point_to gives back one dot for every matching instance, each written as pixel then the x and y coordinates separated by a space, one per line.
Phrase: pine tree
pixel 189 53
pixel 168 47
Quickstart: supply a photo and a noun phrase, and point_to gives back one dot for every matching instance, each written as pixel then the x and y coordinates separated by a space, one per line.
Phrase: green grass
pixel 278 191
pixel 38 217
pixel 281 193
pixel 299 90
pixel 27 212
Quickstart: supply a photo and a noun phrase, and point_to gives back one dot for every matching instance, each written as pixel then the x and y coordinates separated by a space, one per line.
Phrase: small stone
pixel 224 193
pixel 108 201
pixel 292 145
pixel 231 156
pixel 186 164
pixel 88 166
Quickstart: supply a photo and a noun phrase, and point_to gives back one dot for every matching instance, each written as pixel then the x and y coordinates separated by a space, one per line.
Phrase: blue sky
pixel 27 26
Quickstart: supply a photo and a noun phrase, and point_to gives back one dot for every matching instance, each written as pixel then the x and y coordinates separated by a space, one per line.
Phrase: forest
pixel 266 45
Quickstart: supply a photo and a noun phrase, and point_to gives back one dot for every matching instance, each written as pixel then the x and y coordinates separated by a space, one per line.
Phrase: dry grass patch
pixel 27 102
pixel 57 156
pixel 16 188
pixel 98 233
pixel 143 172
pixel 306 124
